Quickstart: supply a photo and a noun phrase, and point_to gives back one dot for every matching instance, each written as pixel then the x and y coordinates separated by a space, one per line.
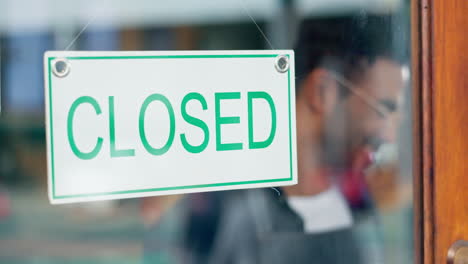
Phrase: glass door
pixel 353 202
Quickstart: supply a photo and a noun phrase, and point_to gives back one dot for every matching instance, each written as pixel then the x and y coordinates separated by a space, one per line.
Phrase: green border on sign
pixel 163 188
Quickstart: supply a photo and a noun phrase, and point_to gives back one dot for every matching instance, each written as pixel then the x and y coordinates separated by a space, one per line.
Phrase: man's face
pixel 354 125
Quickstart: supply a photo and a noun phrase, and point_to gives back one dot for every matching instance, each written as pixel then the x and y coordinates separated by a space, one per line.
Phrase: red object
pixel 5 205
pixel 353 184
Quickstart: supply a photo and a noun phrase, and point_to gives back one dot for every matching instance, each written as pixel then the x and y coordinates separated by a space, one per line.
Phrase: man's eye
pixel 391 106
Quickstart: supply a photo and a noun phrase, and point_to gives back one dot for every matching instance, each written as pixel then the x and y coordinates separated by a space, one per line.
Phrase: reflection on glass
pixel 353 200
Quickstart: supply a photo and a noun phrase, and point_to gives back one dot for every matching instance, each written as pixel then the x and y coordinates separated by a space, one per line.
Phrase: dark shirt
pixel 258 226
pixel 251 226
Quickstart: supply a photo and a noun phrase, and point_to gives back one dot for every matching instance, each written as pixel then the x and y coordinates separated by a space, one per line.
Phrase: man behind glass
pixel 348 88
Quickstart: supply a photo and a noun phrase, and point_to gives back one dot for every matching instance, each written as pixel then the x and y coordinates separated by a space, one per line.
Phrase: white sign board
pixel 134 124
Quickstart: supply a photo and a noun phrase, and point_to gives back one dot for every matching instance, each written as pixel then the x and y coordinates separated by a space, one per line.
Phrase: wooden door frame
pixel 421 47
pixel 440 113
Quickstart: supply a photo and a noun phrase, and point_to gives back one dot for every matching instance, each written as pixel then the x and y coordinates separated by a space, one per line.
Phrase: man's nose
pixel 388 130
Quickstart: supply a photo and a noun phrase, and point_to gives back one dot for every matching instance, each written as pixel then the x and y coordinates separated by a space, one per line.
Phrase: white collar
pixel 324 212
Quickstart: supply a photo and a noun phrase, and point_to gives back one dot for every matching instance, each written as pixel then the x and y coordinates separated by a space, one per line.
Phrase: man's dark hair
pixel 344 45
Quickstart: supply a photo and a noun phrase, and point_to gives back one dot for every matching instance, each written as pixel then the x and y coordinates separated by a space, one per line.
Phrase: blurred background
pixel 33 231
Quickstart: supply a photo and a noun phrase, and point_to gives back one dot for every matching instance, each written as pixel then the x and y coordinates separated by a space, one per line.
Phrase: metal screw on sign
pixel 282 63
pixel 60 67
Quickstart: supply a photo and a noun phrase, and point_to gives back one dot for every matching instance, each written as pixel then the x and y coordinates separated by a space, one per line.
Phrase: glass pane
pixel 353 203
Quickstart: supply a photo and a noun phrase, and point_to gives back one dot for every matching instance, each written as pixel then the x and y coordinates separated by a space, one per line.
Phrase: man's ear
pixel 320 91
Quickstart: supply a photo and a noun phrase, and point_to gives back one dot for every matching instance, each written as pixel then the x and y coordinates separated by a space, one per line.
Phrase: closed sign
pixel 133 124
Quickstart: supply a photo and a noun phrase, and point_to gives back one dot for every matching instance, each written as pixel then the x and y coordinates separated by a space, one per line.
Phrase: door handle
pixel 458 253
